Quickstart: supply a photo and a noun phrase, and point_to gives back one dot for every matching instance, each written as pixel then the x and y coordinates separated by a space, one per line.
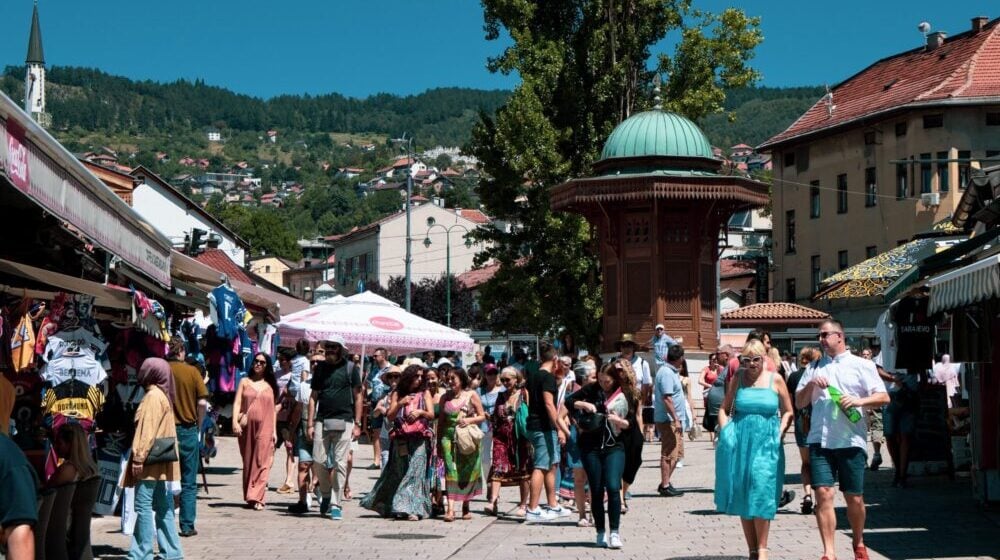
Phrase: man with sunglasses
pixel 334 422
pixel 837 446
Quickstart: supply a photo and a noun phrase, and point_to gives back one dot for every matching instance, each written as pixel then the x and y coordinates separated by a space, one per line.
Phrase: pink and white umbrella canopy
pixel 370 321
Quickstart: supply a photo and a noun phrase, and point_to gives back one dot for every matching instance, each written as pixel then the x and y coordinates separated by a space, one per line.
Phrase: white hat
pixel 413 362
pixel 438 363
pixel 336 339
pixel 660 326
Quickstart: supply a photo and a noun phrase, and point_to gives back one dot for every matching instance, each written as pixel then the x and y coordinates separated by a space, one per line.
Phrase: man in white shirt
pixel 837 445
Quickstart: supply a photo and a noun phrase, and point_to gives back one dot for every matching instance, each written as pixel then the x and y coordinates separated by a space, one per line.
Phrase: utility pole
pixel 408 143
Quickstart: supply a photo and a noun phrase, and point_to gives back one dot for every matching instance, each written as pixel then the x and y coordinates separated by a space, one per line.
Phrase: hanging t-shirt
pixel 75 399
pixel 22 344
pixel 915 335
pixel 227 311
pixel 82 367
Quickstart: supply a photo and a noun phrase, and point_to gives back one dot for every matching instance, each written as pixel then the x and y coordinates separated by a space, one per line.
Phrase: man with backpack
pixel 334 415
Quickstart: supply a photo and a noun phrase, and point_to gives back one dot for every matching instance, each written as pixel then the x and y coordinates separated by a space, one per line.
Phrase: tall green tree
pixel 585 65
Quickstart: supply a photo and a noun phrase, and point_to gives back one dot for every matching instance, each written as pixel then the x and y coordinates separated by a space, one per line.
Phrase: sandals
pixel 257 506
pixel 449 517
pixel 807 504
pixel 584 522
pixel 491 509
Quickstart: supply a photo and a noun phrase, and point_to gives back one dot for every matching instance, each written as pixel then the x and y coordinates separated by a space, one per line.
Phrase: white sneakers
pixel 614 540
pixel 546 514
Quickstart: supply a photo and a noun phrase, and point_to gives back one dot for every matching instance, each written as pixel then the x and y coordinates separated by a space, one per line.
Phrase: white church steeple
pixel 34 76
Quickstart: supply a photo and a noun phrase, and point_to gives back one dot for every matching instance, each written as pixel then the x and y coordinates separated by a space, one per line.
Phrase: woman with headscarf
pixel 255 423
pixel 154 506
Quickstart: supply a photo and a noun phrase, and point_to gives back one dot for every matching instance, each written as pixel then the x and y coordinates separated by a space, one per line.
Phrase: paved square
pixel 934 518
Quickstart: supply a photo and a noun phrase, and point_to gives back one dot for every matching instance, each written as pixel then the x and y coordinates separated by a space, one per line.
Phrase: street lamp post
pixel 447 258
pixel 408 142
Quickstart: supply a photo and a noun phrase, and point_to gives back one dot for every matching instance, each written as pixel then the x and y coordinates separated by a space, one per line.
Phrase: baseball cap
pixel 660 326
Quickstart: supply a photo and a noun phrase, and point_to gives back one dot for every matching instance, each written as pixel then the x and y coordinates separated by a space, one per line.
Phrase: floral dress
pixel 511 454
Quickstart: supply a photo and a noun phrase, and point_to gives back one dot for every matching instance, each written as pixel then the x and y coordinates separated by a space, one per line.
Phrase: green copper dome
pixel 656 133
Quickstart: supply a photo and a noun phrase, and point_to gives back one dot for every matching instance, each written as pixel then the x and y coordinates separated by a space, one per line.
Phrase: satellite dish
pixel 924 27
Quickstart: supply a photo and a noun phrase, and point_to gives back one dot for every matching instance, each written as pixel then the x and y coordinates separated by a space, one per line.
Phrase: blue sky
pixel 361 47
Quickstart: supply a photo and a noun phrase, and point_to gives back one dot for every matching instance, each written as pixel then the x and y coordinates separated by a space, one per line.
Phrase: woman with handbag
pixel 154 463
pixel 255 426
pixel 750 460
pixel 603 409
pixel 460 438
pixel 511 452
pixel 403 489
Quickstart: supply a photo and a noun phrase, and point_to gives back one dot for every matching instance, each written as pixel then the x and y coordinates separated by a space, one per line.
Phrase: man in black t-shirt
pixel 18 502
pixel 546 435
pixel 334 421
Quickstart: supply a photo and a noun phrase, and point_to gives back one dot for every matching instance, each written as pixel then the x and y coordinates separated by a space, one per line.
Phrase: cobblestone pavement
pixel 934 518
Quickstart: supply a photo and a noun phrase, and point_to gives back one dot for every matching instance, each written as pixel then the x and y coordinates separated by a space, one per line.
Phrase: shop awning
pixel 104 296
pixel 44 171
pixel 193 273
pixel 886 274
pixel 970 284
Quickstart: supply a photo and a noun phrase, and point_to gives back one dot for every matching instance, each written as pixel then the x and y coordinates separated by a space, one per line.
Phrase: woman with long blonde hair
pixel 750 460
pixel 72 447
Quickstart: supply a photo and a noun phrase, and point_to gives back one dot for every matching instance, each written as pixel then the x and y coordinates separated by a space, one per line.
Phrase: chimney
pixel 935 39
pixel 978 23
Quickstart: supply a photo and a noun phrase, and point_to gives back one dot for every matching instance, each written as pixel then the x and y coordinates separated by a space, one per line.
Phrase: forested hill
pixel 94 100
pixel 759 113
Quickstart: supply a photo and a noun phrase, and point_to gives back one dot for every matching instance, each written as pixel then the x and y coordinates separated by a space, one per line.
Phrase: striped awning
pixel 970 284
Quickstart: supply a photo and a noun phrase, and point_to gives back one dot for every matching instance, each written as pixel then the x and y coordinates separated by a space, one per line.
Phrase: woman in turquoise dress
pixel 750 460
pixel 460 407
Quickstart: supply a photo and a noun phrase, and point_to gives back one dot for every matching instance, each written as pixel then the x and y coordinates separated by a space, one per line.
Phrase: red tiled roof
pixel 477 277
pixel 219 260
pixel 966 66
pixel 774 312
pixel 474 216
pixel 733 267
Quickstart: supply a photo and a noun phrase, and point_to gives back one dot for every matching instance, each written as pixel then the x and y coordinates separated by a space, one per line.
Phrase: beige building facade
pixel 377 252
pixel 849 196
pixel 882 157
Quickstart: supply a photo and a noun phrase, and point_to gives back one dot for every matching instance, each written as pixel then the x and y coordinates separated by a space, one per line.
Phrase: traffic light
pixel 196 242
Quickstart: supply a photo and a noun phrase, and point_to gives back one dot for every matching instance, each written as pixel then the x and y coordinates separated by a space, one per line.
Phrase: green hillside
pixel 94 100
pixel 756 114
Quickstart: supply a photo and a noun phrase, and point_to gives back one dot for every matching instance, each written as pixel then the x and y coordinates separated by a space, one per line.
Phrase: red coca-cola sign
pixel 17 157
pixel 386 323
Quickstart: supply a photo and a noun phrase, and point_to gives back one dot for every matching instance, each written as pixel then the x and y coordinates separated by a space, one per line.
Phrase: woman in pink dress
pixel 254 419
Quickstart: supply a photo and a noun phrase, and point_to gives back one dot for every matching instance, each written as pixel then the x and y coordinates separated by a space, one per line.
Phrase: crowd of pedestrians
pixel 566 430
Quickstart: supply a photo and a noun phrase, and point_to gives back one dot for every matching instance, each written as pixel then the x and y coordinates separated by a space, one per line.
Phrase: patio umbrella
pixel 367 320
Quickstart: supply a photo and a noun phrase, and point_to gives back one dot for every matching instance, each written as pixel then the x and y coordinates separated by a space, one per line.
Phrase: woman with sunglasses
pixel 750 460
pixel 605 407
pixel 255 425
pixel 403 488
pixel 511 453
